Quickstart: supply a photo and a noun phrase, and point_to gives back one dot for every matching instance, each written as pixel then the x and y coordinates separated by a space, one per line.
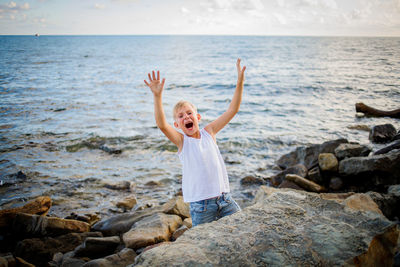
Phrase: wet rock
pixel 121 185
pixel 289 184
pixel 304 183
pixel 72 262
pixel 39 206
pixel 178 207
pixel 297 169
pixel 328 162
pixel 179 232
pixel 97 247
pixel 121 223
pixel 151 230
pixel 351 150
pixel 382 133
pixel 34 225
pixel 120 259
pixel 315 175
pixel 273 233
pixel 360 127
pixel 111 149
pixel 251 180
pixel 373 170
pixel 153 183
pixel 336 183
pixel 89 218
pixel 308 156
pixel 40 251
pixel 127 203
pixel 395 145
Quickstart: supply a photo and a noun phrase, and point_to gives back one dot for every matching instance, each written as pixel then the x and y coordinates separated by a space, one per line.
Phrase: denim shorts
pixel 212 209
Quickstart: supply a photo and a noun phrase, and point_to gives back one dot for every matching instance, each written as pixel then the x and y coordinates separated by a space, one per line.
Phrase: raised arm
pixel 214 127
pixel 157 87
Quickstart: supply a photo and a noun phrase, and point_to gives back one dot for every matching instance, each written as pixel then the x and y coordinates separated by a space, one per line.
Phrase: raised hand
pixel 240 70
pixel 154 83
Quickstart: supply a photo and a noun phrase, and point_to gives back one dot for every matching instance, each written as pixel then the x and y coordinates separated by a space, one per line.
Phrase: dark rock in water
pixel 308 156
pixel 121 223
pixel 252 180
pixel 382 133
pixel 373 170
pixel 395 145
pixel 274 231
pixel 315 175
pixel 297 169
pixel 336 183
pixel 97 247
pixel 351 150
pixel 151 230
pixel 12 179
pixel 111 150
pixel 120 259
pixel 40 251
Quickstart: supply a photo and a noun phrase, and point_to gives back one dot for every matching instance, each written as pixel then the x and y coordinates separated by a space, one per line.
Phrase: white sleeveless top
pixel 204 172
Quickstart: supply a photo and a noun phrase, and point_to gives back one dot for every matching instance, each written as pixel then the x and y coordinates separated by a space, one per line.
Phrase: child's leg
pixel 227 205
pixel 203 211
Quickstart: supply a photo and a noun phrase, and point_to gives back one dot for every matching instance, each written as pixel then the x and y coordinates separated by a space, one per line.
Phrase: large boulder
pixel 374 170
pixel 284 228
pixel 97 247
pixel 151 230
pixel 308 156
pixel 351 150
pixel 120 259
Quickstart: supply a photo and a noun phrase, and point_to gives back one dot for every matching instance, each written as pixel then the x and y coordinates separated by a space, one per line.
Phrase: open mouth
pixel 189 125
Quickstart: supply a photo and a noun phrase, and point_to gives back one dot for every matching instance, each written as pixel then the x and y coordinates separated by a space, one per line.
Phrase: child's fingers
pixel 158 75
pixel 146 83
pixel 154 75
pixel 149 77
pixel 162 83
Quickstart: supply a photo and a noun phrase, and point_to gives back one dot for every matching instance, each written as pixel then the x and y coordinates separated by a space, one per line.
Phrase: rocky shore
pixel 329 204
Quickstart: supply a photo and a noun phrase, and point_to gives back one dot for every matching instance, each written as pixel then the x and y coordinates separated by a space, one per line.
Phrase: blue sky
pixel 242 17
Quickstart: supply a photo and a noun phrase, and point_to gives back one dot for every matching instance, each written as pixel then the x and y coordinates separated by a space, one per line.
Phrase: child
pixel 204 181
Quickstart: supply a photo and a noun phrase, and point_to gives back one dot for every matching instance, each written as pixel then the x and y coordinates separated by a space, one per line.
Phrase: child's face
pixel 187 120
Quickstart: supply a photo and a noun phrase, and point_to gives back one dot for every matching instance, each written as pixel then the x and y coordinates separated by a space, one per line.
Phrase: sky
pixel 207 17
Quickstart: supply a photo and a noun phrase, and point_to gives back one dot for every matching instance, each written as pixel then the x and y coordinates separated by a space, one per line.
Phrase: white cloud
pixel 184 10
pixel 99 6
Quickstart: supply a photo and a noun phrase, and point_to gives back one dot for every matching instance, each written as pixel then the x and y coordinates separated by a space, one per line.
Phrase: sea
pixel 76 116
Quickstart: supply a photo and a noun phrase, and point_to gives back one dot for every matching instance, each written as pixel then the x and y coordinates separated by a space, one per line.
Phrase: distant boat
pixel 37 35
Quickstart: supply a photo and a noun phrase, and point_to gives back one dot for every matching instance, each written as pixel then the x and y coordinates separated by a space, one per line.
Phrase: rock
pixel 91 219
pixel 178 207
pixel 394 190
pixel 34 225
pixel 151 230
pixel 251 180
pixel 395 145
pixel 40 251
pixel 308 156
pixel 304 183
pixel 12 179
pixel 336 183
pixel 328 162
pixel 121 223
pixel 121 185
pixel 351 150
pixel 153 183
pixel 382 133
pixel 39 206
pixel 284 228
pixel 297 169
pixel 8 260
pixel 188 222
pixel 127 203
pixel 315 175
pixel 23 263
pixel 388 204
pixel 361 127
pixel 289 184
pixel 179 232
pixel 374 170
pixel 120 259
pixel 72 262
pixel 362 202
pixel 97 247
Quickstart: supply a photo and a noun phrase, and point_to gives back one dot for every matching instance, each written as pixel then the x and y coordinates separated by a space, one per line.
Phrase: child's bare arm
pixel 157 87
pixel 214 127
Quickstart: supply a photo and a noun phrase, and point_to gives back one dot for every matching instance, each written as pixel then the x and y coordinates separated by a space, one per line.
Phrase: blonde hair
pixel 180 104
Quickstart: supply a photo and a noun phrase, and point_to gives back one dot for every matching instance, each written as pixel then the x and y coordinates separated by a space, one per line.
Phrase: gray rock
pixel 394 190
pixel 252 180
pixel 382 133
pixel 394 145
pixel 388 203
pixel 328 162
pixel 97 247
pixel 120 259
pixel 336 183
pixel 308 156
pixel 72 262
pixel 283 228
pixel 315 175
pixel 297 169
pixel 351 150
pixel 121 223
pixel 377 169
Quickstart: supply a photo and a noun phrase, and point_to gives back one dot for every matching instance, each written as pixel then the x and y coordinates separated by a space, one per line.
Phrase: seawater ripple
pixel 75 109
